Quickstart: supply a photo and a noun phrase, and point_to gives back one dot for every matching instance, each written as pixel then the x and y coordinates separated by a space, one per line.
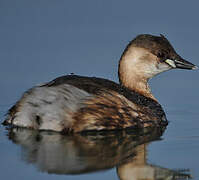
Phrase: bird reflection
pixel 89 152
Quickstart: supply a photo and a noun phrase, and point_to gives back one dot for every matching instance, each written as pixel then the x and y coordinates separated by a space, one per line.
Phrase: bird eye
pixel 162 56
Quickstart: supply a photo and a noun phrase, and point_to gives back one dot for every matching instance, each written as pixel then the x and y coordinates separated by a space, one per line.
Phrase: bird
pixel 75 104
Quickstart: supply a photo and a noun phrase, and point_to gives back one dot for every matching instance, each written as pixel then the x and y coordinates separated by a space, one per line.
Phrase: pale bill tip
pixel 195 67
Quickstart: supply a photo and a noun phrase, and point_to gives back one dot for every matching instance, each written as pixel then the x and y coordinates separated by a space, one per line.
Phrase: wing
pixel 77 103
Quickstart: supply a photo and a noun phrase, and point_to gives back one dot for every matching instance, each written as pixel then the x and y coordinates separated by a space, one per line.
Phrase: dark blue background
pixel 40 40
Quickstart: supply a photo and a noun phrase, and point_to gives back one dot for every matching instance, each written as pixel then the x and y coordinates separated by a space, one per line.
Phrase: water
pixel 41 40
pixel 125 155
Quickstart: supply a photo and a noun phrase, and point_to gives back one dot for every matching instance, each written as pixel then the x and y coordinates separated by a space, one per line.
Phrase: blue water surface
pixel 41 40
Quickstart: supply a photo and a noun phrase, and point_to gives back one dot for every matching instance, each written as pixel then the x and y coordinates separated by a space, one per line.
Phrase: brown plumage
pixel 75 103
pixel 111 106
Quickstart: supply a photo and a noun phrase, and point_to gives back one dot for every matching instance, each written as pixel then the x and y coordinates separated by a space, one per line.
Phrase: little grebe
pixel 74 103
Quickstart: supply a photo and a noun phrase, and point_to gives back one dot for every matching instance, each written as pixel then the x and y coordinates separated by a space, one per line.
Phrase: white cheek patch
pixel 171 63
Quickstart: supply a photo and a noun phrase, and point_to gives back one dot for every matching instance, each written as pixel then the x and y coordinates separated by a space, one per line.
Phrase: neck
pixel 137 84
pixel 131 75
